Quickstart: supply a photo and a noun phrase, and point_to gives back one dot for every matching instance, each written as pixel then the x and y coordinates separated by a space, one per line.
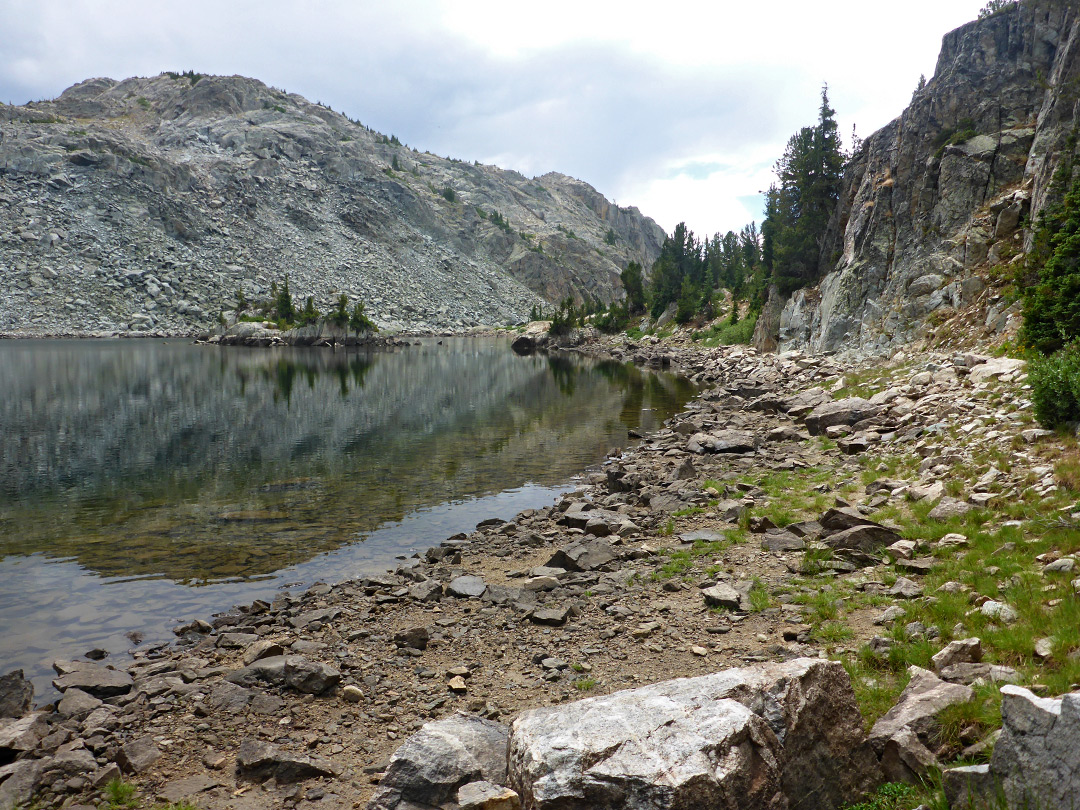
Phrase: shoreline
pixel 594 594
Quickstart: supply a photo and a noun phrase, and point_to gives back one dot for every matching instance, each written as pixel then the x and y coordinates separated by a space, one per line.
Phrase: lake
pixel 145 483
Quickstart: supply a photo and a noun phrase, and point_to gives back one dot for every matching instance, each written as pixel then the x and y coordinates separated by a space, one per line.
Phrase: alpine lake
pixel 145 483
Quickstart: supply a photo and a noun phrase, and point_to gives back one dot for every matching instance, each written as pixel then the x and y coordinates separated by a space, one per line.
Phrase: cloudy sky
pixel 680 108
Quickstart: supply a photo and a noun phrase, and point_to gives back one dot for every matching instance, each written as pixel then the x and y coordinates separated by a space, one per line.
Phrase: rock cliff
pixel 146 203
pixel 936 200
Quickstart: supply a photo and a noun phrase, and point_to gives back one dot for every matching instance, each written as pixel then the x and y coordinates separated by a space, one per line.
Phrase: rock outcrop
pixel 748 737
pixel 144 205
pixel 1035 763
pixel 936 197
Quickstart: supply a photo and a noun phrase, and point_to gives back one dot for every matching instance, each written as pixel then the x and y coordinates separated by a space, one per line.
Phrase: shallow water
pixel 145 483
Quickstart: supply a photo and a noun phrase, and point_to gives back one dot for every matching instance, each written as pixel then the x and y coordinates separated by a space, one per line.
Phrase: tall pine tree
pixel 799 207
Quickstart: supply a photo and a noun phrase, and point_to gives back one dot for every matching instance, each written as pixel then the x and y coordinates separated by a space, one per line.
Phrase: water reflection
pixel 198 465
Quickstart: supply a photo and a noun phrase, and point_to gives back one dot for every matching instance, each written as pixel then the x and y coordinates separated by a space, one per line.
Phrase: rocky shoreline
pixel 668 563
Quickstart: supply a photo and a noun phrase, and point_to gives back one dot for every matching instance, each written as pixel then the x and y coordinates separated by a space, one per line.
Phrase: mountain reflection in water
pixel 144 468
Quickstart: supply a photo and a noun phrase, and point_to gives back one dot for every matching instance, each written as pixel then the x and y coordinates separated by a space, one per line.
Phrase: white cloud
pixel 638 99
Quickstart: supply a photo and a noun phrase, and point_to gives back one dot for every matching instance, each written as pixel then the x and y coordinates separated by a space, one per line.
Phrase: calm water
pixel 144 483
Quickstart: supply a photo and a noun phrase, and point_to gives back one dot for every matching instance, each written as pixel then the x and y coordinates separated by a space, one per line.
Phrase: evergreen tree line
pixel 786 250
pixel 280 308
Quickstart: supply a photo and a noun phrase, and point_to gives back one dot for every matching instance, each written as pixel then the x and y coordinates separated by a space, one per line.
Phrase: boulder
pixel 837 520
pixel 138 755
pixel 443 756
pixel 467 586
pixel 260 761
pixel 948 508
pixel 1036 761
pixel 293 671
pixel 961 651
pixel 916 712
pixel 741 738
pixel 583 556
pixel 99 681
pixel 16 694
pixel 869 538
pixel 839 412
pixel 721 595
pixel 523 345
pixel 21 735
pixel 722 441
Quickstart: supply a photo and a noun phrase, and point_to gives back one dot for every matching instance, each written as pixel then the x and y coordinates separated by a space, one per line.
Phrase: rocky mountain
pixel 933 204
pixel 145 204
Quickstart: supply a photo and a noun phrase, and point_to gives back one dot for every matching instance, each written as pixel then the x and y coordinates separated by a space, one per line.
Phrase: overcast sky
pixel 680 108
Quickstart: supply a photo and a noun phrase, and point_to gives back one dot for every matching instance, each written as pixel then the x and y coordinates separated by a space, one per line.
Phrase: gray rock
pixel 721 595
pixel 1036 760
pixel 999 611
pixel 554 616
pixel 948 508
pixel 905 588
pixel 906 758
pixel 917 708
pixel 869 538
pixel 77 704
pixel 18 782
pixel 138 755
pixel 260 650
pixel 22 734
pixel 415 638
pixel 968 672
pixel 101 682
pixel 467 587
pixel 443 756
pixel 961 651
pixel 430 590
pixel 293 671
pixel 782 541
pixel 967 786
pixel 839 412
pixel 260 760
pixel 583 556
pixel 722 441
pixel 741 738
pixel 16 694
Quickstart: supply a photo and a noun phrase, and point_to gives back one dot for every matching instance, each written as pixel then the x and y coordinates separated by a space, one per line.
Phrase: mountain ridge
pixel 144 204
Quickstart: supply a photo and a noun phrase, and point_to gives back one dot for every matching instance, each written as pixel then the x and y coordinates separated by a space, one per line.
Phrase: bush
pixel 1055 387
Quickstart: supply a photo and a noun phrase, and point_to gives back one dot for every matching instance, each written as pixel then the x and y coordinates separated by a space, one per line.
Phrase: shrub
pixel 448 194
pixel 1055 386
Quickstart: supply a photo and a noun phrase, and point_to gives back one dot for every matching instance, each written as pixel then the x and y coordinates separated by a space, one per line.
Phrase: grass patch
pixel 585 684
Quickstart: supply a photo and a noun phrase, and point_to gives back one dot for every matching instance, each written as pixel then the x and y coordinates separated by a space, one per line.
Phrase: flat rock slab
pixel 722 441
pixel 743 738
pixel 261 760
pixel 839 412
pixel 467 587
pixel 443 756
pixel 555 616
pixel 293 671
pixel 101 682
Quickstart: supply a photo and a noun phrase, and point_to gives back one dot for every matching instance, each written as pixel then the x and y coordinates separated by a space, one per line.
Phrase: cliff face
pixel 936 198
pixel 146 203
